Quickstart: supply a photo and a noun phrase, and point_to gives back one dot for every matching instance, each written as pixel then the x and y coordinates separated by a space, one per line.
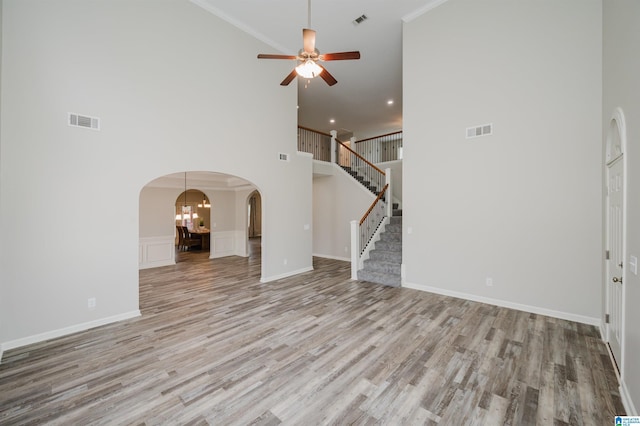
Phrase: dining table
pixel 202 234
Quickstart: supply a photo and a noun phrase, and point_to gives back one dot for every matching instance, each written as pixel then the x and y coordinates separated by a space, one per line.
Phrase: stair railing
pixel 351 160
pixel 363 231
pixel 326 147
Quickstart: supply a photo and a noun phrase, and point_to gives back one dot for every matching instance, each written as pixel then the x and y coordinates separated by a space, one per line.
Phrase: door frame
pixel 616 143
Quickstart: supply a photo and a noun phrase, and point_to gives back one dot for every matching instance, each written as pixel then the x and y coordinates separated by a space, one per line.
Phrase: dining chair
pixel 187 240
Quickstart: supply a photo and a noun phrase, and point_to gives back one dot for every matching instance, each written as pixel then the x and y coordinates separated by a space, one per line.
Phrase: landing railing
pixel 314 142
pixel 381 148
pixel 373 150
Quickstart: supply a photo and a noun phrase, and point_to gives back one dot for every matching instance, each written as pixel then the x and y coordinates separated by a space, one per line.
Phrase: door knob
pixel 617 280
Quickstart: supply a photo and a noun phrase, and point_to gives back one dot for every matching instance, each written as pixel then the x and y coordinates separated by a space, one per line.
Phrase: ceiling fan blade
pixel 288 79
pixel 309 40
pixel 340 56
pixel 327 77
pixel 268 56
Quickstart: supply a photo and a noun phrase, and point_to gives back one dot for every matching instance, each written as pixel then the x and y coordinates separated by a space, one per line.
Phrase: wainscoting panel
pixel 222 244
pixel 156 251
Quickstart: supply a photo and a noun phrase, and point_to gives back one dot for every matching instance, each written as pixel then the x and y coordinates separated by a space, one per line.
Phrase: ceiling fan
pixel 308 58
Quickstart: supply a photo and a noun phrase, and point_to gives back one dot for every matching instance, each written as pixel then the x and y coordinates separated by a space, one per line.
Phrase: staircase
pixel 370 186
pixel 383 265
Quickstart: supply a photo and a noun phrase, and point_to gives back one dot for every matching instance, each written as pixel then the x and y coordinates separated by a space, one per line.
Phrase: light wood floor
pixel 215 346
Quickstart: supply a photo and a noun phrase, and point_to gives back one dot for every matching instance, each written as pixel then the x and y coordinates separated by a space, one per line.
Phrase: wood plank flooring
pixel 215 346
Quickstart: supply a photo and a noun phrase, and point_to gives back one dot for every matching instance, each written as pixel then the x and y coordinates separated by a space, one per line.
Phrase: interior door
pixel 615 261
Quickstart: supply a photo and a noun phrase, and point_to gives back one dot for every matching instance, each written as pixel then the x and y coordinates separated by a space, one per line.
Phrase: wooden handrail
pixel 314 131
pixel 381 136
pixel 361 157
pixel 374 204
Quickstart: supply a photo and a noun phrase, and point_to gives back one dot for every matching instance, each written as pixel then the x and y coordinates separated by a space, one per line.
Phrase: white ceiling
pixel 358 103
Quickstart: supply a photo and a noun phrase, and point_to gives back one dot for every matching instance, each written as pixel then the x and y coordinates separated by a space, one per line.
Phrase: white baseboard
pixel 157 264
pixel 285 275
pixel 506 304
pixel 327 256
pixel 53 334
pixel 626 399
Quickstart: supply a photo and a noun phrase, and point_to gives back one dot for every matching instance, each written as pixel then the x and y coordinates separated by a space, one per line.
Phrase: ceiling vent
pixel 360 19
pixel 476 131
pixel 77 120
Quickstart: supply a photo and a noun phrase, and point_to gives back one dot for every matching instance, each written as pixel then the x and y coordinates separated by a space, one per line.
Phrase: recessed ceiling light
pixel 390 102
pixel 332 121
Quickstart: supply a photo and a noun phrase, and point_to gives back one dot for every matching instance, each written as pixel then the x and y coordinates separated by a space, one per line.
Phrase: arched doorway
pixel 193 218
pixel 254 213
pixel 160 204
pixel 254 224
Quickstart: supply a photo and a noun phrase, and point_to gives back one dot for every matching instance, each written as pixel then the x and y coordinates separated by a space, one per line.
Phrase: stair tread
pixel 387 256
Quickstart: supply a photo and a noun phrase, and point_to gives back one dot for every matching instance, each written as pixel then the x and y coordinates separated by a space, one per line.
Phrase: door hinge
pixel 606 319
pixel 606 255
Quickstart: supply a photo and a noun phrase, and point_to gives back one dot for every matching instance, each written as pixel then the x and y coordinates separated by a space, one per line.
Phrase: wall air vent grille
pixel 77 120
pixel 360 19
pixel 283 157
pixel 476 131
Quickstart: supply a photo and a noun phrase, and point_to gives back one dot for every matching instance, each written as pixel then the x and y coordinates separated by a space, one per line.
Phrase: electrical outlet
pixel 286 261
pixel 489 282
pixel 91 302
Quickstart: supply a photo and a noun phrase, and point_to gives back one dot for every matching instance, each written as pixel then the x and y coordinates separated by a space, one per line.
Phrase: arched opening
pixel 254 223
pixel 212 206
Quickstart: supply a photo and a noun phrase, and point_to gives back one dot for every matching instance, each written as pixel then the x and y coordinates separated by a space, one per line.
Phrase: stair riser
pixel 380 278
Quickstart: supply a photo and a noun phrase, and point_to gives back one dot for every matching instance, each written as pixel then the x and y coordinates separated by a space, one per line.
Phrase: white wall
pixel 337 200
pixel 621 66
pixel 2 282
pixel 157 211
pixel 396 178
pixel 522 206
pixel 172 91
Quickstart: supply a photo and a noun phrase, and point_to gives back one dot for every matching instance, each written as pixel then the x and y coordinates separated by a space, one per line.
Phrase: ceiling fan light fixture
pixel 308 69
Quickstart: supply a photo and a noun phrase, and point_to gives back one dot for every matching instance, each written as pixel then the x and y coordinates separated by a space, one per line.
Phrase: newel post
pixel 334 135
pixel 387 177
pixel 355 248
